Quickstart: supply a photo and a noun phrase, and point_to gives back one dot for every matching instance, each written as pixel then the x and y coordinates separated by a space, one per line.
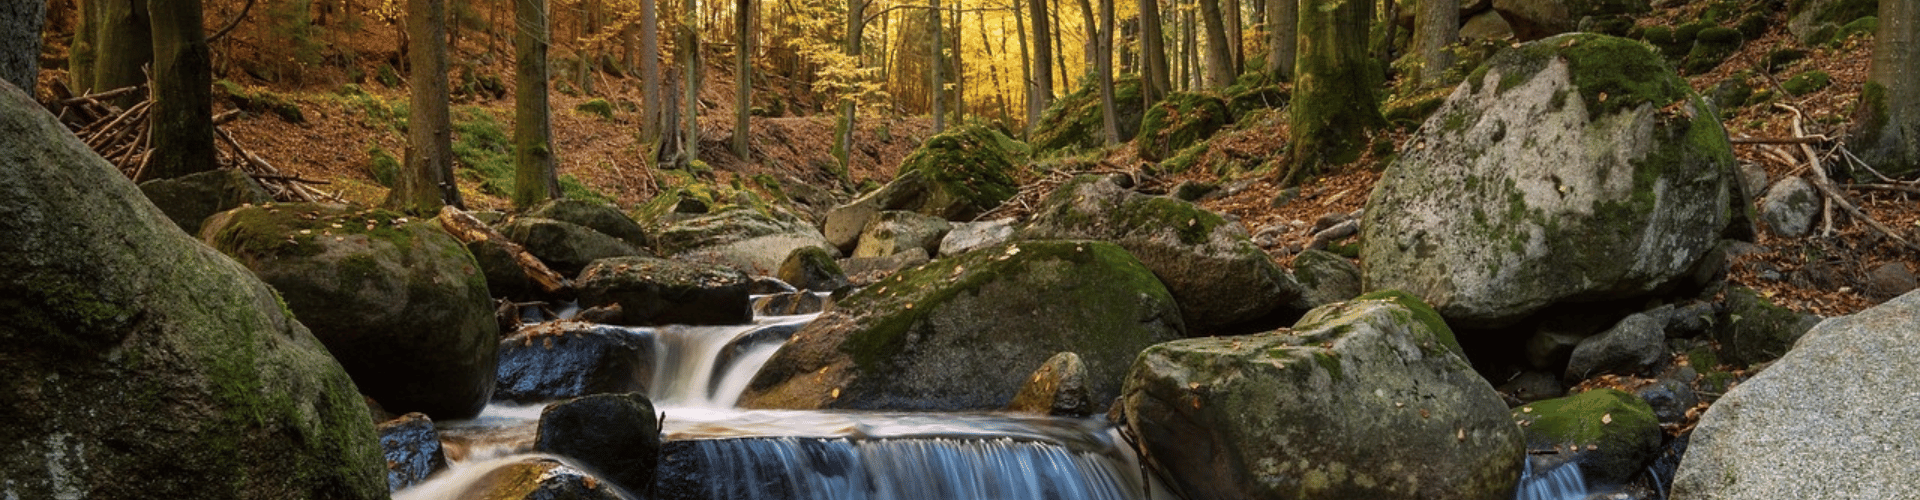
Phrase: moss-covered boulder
pixel 968 171
pixel 1612 434
pixel 1830 419
pixel 600 217
pixel 1074 120
pixel 1711 47
pixel 1751 329
pixel 142 364
pixel 1566 172
pixel 1213 269
pixel 962 333
pixel 401 303
pixel 1312 412
pixel 813 269
pixel 563 246
pixel 1808 20
pixel 753 241
pixel 189 199
pixel 1181 120
pixel 653 291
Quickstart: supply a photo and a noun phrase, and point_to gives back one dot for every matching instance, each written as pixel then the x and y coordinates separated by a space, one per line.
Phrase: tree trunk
pixel 426 183
pixel 1091 50
pixel 1110 121
pixel 1887 130
pixel 959 66
pixel 1230 12
pixel 534 179
pixel 651 99
pixel 20 22
pixel 844 127
pixel 124 33
pixel 1435 27
pixel 1189 51
pixel 182 120
pixel 1042 93
pixel 1220 71
pixel 1154 81
pixel 1026 64
pixel 937 87
pixel 1059 50
pixel 742 76
pixel 690 87
pixel 83 51
pixel 1333 103
pixel 1283 21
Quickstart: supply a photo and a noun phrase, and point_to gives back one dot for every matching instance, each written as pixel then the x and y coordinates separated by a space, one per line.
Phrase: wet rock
pixel 1213 269
pixel 788 304
pixel 1890 280
pixel 1326 277
pixel 143 364
pixel 941 336
pixel 191 198
pixel 412 448
pixel 767 285
pixel 1790 207
pixel 812 268
pixel 895 231
pixel 1613 435
pixel 1312 413
pixel 1528 188
pixel 745 239
pixel 1671 397
pixel 1058 388
pixel 1753 330
pixel 563 246
pixel 1827 420
pixel 599 217
pixel 540 479
pixel 553 361
pixel 967 236
pixel 1635 345
pixel 659 291
pixel 616 434
pixel 399 302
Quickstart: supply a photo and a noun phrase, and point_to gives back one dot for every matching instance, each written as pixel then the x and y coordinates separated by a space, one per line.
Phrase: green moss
pixel 1330 362
pixel 1612 73
pixel 1422 313
pixel 384 168
pixel 1586 418
pixel 597 107
pixel 484 150
pixel 261 101
pixel 1073 121
pixel 1865 26
pixel 971 167
pixel 1181 120
pixel 1807 83
pixel 1412 109
pixel 1712 47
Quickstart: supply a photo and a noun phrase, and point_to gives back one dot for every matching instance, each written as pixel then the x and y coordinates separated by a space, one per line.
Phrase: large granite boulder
pixel 1213 269
pixel 750 240
pixel 1831 419
pixel 963 333
pixel 653 291
pixel 191 198
pixel 1361 399
pixel 398 301
pixel 1576 168
pixel 600 217
pixel 564 246
pixel 142 364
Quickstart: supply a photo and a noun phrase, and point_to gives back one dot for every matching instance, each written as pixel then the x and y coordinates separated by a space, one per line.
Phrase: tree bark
pixel 426 183
pixel 1042 94
pixel 1155 81
pixel 1435 26
pixel 651 100
pixel 124 37
pixel 1887 120
pixel 844 127
pixel 82 52
pixel 1219 63
pixel 534 179
pixel 20 22
pixel 1026 64
pixel 1333 103
pixel 690 88
pixel 182 120
pixel 742 76
pixel 1110 121
pixel 1189 50
pixel 1283 21
pixel 1230 12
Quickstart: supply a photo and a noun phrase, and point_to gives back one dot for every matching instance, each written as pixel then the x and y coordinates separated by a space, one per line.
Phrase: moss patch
pixel 1612 73
pixel 1422 313
pixel 1181 120
pixel 1586 418
pixel 971 168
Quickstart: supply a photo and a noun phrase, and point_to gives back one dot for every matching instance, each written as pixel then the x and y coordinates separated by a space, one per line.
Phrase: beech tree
pixel 1333 101
pixel 182 121
pixel 1435 26
pixel 1109 120
pixel 426 181
pixel 534 178
pixel 112 44
pixel 1042 93
pixel 1886 134
pixel 1220 72
pixel 742 76
pixel 1155 78
pixel 651 100
pixel 1283 17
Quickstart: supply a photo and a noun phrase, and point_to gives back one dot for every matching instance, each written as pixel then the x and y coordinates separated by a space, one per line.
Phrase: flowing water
pixel 1559 482
pixel 714 450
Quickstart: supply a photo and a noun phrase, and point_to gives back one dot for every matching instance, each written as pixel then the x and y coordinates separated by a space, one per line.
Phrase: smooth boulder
pixel 653 291
pixel 1613 435
pixel 961 333
pixel 142 364
pixel 564 246
pixel 401 304
pixel 1361 399
pixel 750 240
pixel 1576 168
pixel 553 361
pixel 599 217
pixel 1831 419
pixel 615 434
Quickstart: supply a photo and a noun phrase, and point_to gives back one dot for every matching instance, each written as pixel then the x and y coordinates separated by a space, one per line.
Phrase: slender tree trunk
pixel 652 101
pixel 1042 94
pixel 83 52
pixel 1283 20
pixel 933 70
pixel 534 179
pixel 20 22
pixel 844 127
pixel 993 70
pixel 1189 50
pixel 1060 51
pixel 1154 81
pixel 1219 62
pixel 1887 120
pixel 690 88
pixel 1230 12
pixel 426 183
pixel 1090 50
pixel 1333 103
pixel 1110 120
pixel 124 33
pixel 1435 27
pixel 182 121
pixel 742 77
pixel 959 66
pixel 1026 64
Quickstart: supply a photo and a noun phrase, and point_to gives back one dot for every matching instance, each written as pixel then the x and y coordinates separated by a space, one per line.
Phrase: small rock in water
pixel 412 449
pixel 617 434
pixel 1058 388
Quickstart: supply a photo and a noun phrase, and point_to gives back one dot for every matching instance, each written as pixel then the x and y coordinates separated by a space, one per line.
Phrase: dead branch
pixel 1815 139
pixel 1899 188
pixel 470 230
pixel 1833 194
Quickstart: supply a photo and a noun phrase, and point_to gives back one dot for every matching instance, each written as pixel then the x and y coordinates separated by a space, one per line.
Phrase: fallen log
pixel 467 229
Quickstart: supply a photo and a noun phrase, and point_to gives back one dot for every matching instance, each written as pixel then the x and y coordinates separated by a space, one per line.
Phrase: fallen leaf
pixel 1606 419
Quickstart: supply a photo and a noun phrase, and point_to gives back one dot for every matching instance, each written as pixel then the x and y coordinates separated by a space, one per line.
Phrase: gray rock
pixel 412 449
pixel 1890 280
pixel 1753 180
pixel 1753 330
pixel 1333 409
pixel 1326 276
pixel 812 268
pixel 1790 207
pixel 658 291
pixel 895 231
pixel 1613 435
pixel 748 240
pixel 564 246
pixel 596 216
pixel 1058 388
pixel 943 336
pixel 615 434
pixel 554 361
pixel 191 198
pixel 863 271
pixel 1486 26
pixel 1213 269
pixel 1671 397
pixel 143 364
pixel 1536 19
pixel 1831 419
pixel 967 236
pixel 789 304
pixel 1633 346
pixel 540 479
pixel 401 304
pixel 1525 190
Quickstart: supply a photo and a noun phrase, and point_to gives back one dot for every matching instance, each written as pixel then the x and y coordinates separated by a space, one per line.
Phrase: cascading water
pixel 1561 482
pixel 716 451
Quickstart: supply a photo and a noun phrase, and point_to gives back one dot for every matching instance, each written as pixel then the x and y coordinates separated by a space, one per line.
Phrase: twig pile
pixel 1815 170
pixel 124 138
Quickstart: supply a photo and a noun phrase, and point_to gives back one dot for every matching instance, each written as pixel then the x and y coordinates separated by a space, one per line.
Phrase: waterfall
pixel 887 469
pixel 1562 482
pixel 709 366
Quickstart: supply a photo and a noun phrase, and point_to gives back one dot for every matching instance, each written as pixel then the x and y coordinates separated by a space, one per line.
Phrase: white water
pixel 1562 482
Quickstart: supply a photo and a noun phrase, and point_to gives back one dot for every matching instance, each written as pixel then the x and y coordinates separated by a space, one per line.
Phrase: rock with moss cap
pixel 1323 411
pixel 401 303
pixel 1612 434
pixel 1751 329
pixel 1073 121
pixel 942 336
pixel 1576 168
pixel 969 170
pixel 751 240
pixel 1808 20
pixel 1831 419
pixel 564 246
pixel 1181 120
pixel 1213 269
pixel 143 364
pixel 593 215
